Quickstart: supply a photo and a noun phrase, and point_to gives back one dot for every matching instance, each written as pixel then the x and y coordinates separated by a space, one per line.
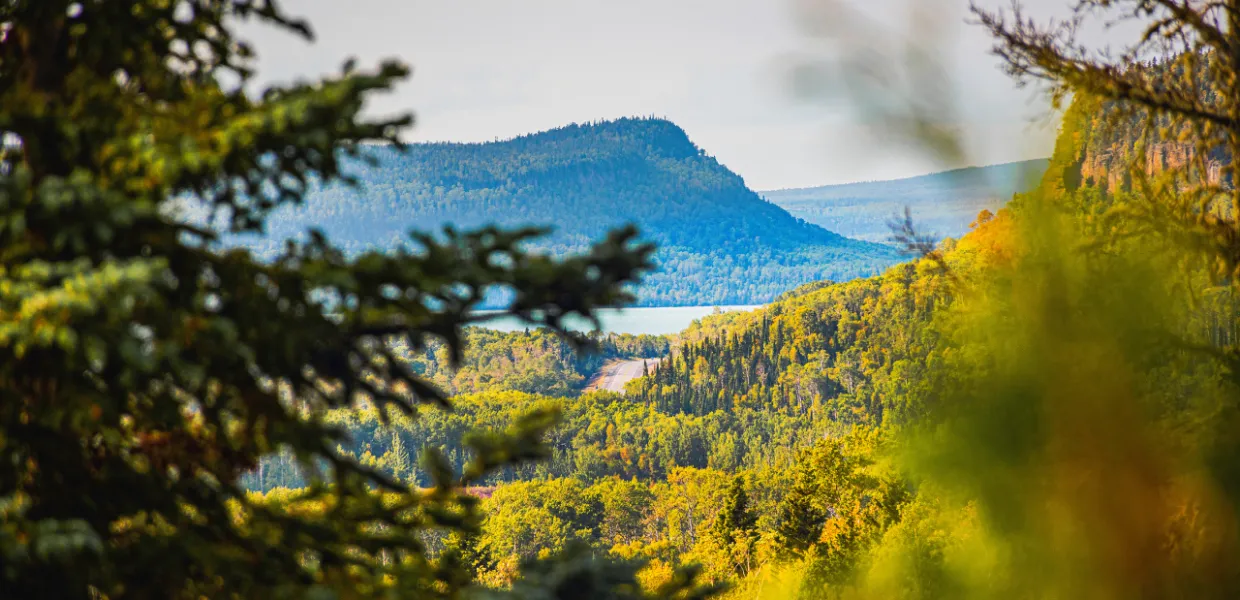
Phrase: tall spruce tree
pixel 144 367
pixel 799 520
pixel 736 528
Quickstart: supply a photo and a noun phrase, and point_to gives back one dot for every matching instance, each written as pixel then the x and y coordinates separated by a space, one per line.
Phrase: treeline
pixel 730 522
pixel 645 171
pixel 599 435
pixel 730 492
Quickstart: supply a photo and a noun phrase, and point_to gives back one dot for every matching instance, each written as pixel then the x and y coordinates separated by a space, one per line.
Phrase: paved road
pixel 615 374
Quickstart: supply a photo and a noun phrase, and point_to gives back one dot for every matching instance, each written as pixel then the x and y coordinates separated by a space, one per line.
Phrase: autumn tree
pixel 145 367
pixel 1179 80
pixel 401 463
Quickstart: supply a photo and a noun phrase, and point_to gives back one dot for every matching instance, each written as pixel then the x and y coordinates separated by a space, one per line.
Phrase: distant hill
pixel 942 203
pixel 719 242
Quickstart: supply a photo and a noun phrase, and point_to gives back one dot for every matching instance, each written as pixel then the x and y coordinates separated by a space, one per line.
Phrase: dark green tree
pixel 144 368
pixel 737 518
pixel 800 521
pixel 736 527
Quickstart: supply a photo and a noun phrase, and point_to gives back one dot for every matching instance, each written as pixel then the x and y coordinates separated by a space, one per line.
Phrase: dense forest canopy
pixel 718 241
pixel 536 361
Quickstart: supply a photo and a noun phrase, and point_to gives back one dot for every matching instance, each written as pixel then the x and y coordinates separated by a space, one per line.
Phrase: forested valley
pixel 764 439
pixel 534 361
pixel 1047 406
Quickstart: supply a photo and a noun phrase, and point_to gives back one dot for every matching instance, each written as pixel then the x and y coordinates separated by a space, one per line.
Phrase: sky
pixel 723 70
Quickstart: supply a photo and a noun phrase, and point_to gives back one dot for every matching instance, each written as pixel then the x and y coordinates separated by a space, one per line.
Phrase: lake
pixel 653 320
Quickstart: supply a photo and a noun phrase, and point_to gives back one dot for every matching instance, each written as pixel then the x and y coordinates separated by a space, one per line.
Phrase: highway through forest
pixel 616 373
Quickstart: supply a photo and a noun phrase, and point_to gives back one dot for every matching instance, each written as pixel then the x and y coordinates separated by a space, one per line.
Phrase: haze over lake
pixel 651 320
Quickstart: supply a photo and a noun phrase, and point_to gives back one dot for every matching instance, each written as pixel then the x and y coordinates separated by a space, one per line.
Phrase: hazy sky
pixel 721 69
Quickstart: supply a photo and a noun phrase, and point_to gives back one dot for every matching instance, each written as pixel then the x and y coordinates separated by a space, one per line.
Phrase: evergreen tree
pixel 800 521
pixel 143 370
pixel 736 527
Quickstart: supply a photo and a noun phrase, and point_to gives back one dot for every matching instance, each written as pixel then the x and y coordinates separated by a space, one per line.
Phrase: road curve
pixel 616 373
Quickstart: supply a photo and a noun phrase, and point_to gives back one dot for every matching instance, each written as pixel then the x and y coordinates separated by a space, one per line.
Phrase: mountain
pixel 943 204
pixel 719 242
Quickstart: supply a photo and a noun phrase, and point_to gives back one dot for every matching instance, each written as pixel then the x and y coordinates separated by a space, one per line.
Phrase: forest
pixel 1047 406
pixel 745 401
pixel 762 447
pixel 535 361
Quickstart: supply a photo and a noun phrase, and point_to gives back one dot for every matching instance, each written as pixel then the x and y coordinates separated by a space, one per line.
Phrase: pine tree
pixel 738 518
pixel 144 368
pixel 736 527
pixel 800 521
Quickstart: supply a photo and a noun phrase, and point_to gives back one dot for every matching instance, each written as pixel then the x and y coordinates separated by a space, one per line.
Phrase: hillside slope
pixel 719 242
pixel 941 203
pixel 844 352
pixel 855 351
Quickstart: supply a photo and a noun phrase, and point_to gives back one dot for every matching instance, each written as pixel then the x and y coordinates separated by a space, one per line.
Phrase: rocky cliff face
pixel 1110 165
pixel 1093 151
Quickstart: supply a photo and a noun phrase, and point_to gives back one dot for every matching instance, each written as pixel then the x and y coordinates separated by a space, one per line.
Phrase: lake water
pixel 656 320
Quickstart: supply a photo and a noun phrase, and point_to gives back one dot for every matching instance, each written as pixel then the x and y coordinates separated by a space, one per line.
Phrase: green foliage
pixel 144 369
pixel 599 435
pixel 540 517
pixel 573 577
pixel 839 504
pixel 536 361
pixel 845 352
pixel 735 529
pixel 736 520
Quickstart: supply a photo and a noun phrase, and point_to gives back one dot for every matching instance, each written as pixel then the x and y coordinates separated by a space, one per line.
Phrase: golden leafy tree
pixel 1179 81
